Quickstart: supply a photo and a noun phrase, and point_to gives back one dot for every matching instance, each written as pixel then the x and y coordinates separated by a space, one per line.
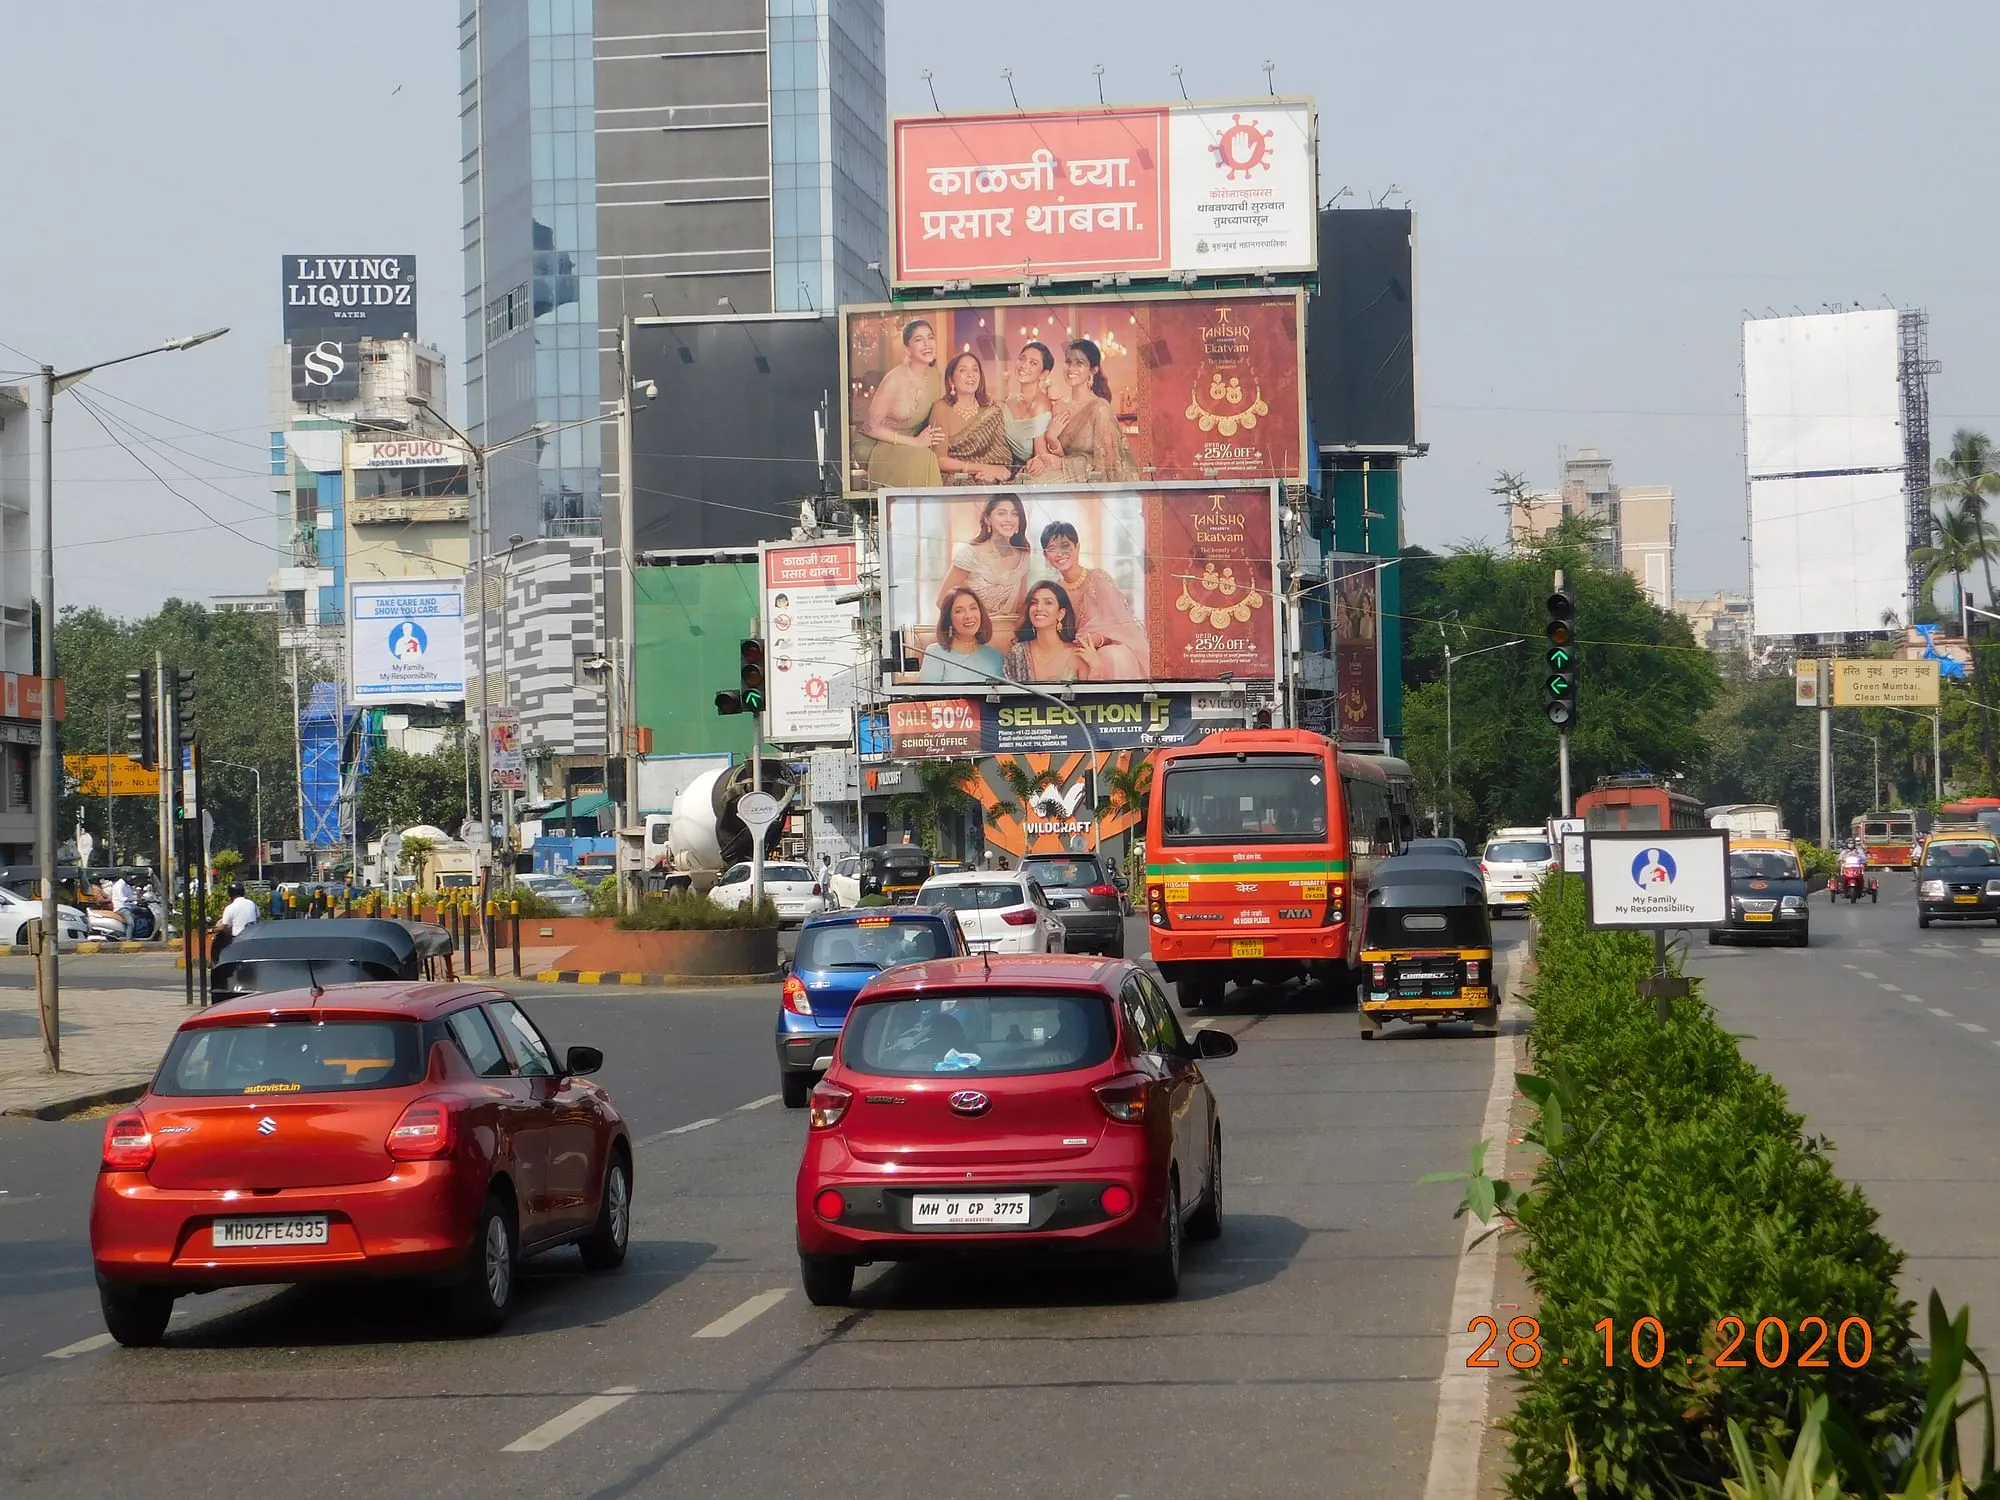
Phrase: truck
pixel 702 836
pixel 1748 820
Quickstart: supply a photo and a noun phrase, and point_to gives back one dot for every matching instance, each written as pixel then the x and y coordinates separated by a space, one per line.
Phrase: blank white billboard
pixel 1826 554
pixel 1822 393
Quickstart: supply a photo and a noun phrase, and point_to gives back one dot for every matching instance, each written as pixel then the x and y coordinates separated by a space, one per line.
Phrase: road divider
pixel 653 981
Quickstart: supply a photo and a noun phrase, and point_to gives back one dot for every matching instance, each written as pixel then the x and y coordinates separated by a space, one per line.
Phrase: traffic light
pixel 749 695
pixel 1560 660
pixel 142 720
pixel 184 705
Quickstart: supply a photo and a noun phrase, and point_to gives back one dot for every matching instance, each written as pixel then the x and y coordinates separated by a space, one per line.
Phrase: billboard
pixel 1054 816
pixel 1361 330
pixel 505 752
pixel 1869 683
pixel 406 641
pixel 1075 391
pixel 126 776
pixel 950 728
pixel 406 453
pixel 725 451
pixel 1638 881
pixel 1353 588
pixel 326 365
pixel 366 296
pixel 812 647
pixel 1824 454
pixel 1102 585
pixel 1151 192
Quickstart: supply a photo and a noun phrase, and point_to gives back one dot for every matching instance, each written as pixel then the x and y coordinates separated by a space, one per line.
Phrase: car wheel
pixel 1160 1270
pixel 484 1293
pixel 828 1279
pixel 1803 940
pixel 136 1316
pixel 1206 1221
pixel 604 1248
pixel 1714 938
pixel 1922 920
pixel 797 1089
pixel 1116 948
pixel 24 935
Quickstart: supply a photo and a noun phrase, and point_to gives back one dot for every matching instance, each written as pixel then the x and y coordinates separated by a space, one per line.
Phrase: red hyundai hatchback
pixel 1005 1104
pixel 371 1130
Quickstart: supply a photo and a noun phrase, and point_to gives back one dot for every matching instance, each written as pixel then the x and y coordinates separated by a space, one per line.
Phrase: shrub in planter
pixel 686 911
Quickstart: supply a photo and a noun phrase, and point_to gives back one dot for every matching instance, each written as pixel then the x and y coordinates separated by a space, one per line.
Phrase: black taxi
pixel 1959 879
pixel 1767 894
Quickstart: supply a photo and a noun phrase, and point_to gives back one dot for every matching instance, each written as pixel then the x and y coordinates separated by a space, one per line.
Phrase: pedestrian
pixel 237 918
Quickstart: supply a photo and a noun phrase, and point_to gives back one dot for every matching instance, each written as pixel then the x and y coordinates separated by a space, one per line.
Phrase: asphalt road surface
pixel 1301 1359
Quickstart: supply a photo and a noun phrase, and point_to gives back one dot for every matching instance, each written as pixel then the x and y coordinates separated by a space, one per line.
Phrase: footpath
pixel 112 1040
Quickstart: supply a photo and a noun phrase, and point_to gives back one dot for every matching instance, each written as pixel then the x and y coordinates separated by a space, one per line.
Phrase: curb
pixel 657 981
pixel 75 1104
pixel 22 950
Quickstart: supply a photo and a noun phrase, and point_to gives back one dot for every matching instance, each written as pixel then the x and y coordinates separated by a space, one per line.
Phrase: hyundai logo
pixel 970 1102
pixel 267 1126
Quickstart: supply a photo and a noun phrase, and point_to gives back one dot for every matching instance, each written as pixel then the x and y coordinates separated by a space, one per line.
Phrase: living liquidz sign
pixel 949 728
pixel 372 296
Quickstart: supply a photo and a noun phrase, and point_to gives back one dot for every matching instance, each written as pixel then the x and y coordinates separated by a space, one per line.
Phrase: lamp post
pixel 1936 716
pixel 238 766
pixel 1450 800
pixel 50 757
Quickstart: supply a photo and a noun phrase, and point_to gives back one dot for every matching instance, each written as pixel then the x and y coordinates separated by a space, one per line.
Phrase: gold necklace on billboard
pixel 1227 392
pixel 1205 611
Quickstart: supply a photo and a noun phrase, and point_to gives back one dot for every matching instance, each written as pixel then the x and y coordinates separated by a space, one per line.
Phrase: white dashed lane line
pixel 1970 1026
pixel 81 1346
pixel 578 1416
pixel 758 1103
pixel 1866 975
pixel 742 1316
pixel 1894 989
pixel 694 1125
pixel 1939 1011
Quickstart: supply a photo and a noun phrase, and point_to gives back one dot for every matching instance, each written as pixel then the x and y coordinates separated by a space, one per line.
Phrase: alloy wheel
pixel 499 1262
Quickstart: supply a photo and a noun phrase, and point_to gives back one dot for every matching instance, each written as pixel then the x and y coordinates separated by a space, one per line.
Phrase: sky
pixel 1602 193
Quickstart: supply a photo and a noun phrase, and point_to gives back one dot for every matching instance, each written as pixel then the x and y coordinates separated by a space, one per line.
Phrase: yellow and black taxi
pixel 895 872
pixel 1767 894
pixel 1959 879
pixel 1427 947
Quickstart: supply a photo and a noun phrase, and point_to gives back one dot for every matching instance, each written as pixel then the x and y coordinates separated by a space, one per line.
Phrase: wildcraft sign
pixel 373 296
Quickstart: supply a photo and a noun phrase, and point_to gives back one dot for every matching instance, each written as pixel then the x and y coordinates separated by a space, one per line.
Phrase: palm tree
pixel 1023 785
pixel 1968 478
pixel 1125 785
pixel 1961 538
pixel 943 789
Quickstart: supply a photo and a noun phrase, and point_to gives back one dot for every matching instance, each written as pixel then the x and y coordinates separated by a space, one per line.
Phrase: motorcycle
pixel 1853 882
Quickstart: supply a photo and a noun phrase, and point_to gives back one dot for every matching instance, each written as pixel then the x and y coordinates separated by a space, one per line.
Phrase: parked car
pixel 1011 1104
pixel 1081 892
pixel 21 915
pixel 566 896
pixel 793 889
pixel 383 1130
pixel 839 952
pixel 1512 864
pixel 1000 912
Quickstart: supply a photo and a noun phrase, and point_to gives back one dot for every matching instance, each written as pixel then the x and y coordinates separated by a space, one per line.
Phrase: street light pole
pixel 237 766
pixel 1450 807
pixel 50 754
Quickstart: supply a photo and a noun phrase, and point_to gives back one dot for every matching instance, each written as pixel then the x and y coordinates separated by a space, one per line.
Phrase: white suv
pixel 1512 864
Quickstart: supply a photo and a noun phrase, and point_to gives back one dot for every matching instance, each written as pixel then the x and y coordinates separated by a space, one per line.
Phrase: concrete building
pixel 1635 523
pixel 1721 622
pixel 20 723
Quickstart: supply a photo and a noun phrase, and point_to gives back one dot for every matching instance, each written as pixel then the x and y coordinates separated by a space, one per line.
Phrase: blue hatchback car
pixel 838 953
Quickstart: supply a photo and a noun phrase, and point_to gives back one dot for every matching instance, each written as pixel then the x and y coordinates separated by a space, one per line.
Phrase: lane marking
pixel 1936 1011
pixel 742 1315
pixel 1865 974
pixel 693 1125
pixel 1461 1410
pixel 81 1346
pixel 1894 989
pixel 1970 1026
pixel 1914 999
pixel 578 1416
pixel 758 1103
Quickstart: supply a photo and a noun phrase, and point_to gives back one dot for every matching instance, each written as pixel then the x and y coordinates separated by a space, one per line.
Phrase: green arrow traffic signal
pixel 1559 686
pixel 1559 658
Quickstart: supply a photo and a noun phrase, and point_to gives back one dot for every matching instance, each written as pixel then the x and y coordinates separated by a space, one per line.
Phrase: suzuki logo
pixel 267 1126
pixel 970 1102
pixel 322 363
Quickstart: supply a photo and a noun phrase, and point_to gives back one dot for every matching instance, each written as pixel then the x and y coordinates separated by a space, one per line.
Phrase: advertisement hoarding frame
pixel 899 283
pixel 383 692
pixel 777 729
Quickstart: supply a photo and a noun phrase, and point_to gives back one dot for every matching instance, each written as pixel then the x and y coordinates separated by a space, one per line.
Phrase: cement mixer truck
pixel 704 837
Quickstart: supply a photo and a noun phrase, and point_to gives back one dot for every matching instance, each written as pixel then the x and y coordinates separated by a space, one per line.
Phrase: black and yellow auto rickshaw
pixel 1427 948
pixel 895 872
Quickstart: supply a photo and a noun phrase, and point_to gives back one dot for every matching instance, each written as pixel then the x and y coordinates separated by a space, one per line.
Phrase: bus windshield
pixel 1271 799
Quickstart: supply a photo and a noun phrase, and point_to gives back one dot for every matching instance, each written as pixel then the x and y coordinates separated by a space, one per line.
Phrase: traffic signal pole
pixel 1559 683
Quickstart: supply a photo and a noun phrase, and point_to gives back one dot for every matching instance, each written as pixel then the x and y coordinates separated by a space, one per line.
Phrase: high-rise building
pixel 620 157
pixel 20 729
pixel 1721 622
pixel 1634 524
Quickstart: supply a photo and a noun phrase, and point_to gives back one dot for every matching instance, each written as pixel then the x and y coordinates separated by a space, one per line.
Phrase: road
pixel 1301 1359
pixel 1888 1040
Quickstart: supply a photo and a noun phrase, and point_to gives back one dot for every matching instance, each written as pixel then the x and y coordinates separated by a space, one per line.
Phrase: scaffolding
pixel 1914 367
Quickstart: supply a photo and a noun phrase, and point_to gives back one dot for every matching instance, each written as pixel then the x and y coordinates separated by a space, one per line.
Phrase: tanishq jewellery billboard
pixel 406 641
pixel 1100 585
pixel 1153 192
pixel 1095 390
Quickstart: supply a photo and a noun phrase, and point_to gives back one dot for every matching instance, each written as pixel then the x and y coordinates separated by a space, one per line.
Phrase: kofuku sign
pixel 370 295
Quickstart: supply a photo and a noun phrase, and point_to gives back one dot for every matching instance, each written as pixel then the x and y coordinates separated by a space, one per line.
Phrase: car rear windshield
pixel 1064 872
pixel 789 872
pixel 1519 851
pixel 872 944
pixel 979 1036
pixel 1275 800
pixel 266 974
pixel 1763 864
pixel 293 1057
pixel 982 896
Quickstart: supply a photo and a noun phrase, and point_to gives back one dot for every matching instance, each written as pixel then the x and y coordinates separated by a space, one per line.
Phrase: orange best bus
pixel 1259 843
pixel 1888 839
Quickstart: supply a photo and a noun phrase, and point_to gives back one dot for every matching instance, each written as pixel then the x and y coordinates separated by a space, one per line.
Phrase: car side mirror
pixel 1210 1043
pixel 581 1062
pixel 784 967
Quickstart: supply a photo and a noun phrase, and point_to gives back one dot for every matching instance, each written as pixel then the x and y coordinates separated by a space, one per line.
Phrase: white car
pixel 1512 864
pixel 793 889
pixel 845 888
pixel 20 913
pixel 998 913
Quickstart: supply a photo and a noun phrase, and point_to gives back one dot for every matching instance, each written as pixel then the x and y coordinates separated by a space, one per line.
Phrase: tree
pixel 1960 538
pixel 401 789
pixel 1125 784
pixel 942 793
pixel 417 851
pixel 1968 478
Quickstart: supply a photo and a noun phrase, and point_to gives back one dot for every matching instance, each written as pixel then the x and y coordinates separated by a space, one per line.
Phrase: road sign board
pixel 758 810
pixel 1647 880
pixel 128 777
pixel 1872 683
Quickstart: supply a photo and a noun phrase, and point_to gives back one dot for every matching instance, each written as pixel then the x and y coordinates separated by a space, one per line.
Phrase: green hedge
pixel 1680 1186
pixel 686 911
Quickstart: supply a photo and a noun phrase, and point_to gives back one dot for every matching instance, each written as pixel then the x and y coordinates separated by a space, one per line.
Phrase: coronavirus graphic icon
pixel 816 691
pixel 1242 149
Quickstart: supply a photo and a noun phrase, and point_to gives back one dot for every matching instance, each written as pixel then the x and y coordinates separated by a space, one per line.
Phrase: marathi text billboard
pixel 813 651
pixel 1191 189
pixel 1094 390
pixel 406 641
pixel 1169 584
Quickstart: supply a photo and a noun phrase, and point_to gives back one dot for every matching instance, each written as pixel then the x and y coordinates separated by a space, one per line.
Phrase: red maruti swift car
pixel 1006 1104
pixel 370 1130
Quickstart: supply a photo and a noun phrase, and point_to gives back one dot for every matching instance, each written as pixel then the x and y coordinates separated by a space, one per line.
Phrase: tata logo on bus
pixel 1654 870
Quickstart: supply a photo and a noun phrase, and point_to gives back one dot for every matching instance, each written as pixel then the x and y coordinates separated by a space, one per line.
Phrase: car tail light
pixel 427 1129
pixel 1124 1099
pixel 1025 917
pixel 829 1103
pixel 1381 974
pixel 795 996
pixel 1103 890
pixel 1483 868
pixel 816 890
pixel 829 1204
pixel 1115 1200
pixel 1472 967
pixel 128 1143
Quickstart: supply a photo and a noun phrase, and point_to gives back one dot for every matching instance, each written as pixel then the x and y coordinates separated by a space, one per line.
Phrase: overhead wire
pixel 139 458
pixel 262 509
